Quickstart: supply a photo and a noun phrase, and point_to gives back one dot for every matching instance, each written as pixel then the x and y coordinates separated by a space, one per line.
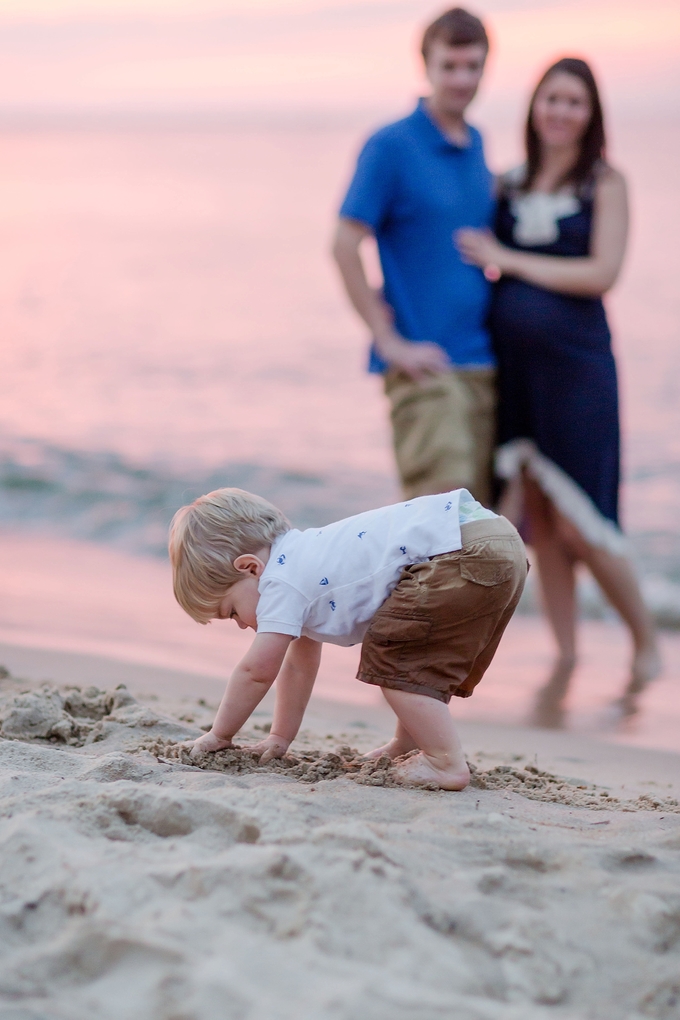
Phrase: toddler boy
pixel 428 586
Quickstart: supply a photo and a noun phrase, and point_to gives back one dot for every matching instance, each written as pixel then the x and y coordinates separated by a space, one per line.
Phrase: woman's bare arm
pixel 590 276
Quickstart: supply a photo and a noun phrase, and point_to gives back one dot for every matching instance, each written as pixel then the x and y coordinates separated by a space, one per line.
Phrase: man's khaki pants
pixel 443 431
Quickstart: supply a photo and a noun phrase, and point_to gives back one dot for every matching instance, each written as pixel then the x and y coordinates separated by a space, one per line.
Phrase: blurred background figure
pixel 562 225
pixel 416 182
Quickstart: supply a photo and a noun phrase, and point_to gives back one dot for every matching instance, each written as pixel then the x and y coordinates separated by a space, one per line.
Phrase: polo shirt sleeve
pixel 373 186
pixel 281 609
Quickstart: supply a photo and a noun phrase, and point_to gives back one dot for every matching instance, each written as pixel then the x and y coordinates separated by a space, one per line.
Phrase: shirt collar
pixel 435 133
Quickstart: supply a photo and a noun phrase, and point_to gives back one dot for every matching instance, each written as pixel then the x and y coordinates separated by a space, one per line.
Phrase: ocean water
pixel 170 321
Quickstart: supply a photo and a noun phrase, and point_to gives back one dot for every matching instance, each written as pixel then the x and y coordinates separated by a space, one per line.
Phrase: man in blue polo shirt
pixel 417 182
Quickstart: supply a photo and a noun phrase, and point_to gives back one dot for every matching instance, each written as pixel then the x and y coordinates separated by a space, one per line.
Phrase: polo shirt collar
pixel 435 134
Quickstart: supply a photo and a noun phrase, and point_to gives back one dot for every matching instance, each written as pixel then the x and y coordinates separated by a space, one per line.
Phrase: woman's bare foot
pixel 645 667
pixel 394 748
pixel 419 770
pixel 548 710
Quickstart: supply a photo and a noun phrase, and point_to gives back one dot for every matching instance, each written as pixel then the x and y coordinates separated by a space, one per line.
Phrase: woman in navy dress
pixel 561 231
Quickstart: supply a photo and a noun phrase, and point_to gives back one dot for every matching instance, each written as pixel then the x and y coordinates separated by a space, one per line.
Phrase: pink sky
pixel 314 54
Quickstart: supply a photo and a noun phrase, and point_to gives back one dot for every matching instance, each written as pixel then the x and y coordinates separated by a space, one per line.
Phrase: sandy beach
pixel 136 886
pixel 162 284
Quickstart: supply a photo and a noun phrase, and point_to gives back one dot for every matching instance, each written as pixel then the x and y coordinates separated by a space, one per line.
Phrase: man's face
pixel 454 72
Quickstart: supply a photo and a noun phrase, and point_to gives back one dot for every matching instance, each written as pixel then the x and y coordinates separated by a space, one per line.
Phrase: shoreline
pixel 64 597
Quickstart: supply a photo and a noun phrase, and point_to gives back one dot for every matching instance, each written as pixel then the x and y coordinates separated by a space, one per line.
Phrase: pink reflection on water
pixel 169 295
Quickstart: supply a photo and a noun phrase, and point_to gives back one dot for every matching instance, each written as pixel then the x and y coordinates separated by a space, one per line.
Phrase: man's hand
pixel 416 360
pixel 272 746
pixel 208 743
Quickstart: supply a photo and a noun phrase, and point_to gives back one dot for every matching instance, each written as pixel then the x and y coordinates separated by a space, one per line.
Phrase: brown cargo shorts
pixel 438 631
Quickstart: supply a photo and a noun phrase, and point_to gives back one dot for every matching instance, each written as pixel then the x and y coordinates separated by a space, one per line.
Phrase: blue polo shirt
pixel 414 187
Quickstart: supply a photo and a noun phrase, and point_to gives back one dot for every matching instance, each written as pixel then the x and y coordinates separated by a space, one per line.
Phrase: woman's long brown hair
pixel 592 148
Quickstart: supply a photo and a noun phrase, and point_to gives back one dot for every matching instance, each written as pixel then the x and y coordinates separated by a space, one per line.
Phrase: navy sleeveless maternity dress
pixel 558 399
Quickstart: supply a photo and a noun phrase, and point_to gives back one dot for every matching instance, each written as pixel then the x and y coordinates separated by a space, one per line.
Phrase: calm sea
pixel 171 321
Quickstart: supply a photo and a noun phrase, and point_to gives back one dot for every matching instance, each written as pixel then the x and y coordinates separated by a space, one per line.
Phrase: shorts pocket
pixel 486 571
pixel 388 629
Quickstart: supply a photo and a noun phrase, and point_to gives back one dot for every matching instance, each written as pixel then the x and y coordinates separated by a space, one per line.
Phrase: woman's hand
pixel 207 744
pixel 480 248
pixel 272 746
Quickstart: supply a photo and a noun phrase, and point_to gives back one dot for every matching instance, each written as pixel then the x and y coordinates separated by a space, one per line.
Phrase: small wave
pixel 102 497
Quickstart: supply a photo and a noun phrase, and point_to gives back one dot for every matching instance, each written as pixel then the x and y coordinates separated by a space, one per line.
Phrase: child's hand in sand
pixel 272 746
pixel 208 743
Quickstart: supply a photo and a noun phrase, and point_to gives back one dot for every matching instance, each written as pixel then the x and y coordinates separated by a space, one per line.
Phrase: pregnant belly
pixel 524 313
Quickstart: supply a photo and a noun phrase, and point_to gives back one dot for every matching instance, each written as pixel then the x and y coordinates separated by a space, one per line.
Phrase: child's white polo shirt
pixel 327 583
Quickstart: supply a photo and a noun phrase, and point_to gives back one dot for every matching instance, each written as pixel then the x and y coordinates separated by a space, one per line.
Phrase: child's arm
pixel 293 689
pixel 248 684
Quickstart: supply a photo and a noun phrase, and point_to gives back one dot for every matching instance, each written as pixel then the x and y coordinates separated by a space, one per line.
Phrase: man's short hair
pixel 456 27
pixel 205 539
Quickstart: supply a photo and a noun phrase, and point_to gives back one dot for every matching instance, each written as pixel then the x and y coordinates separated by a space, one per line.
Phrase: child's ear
pixel 249 564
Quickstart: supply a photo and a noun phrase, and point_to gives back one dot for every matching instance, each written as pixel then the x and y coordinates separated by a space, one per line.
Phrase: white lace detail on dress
pixel 536 214
pixel 568 497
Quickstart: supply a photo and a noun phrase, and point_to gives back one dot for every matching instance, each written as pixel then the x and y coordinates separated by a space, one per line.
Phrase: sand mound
pixel 347 763
pixel 136 886
pixel 77 716
pixel 535 784
pixel 307 767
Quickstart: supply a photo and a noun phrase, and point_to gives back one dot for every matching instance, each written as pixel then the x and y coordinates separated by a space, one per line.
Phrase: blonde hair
pixel 205 539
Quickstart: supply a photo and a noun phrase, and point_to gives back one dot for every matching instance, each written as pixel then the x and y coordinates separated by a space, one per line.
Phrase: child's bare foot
pixel 420 770
pixel 394 748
